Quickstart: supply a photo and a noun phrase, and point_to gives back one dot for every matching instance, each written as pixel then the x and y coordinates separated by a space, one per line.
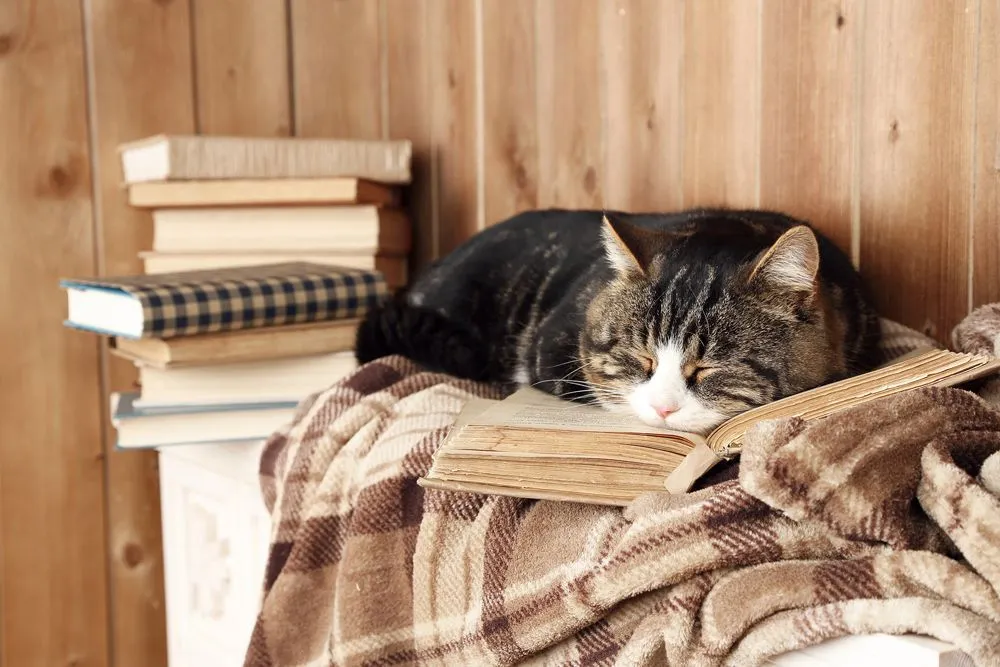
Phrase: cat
pixel 684 319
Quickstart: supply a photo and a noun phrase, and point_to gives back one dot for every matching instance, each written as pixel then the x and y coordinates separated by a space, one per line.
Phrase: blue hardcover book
pixel 158 427
pixel 168 305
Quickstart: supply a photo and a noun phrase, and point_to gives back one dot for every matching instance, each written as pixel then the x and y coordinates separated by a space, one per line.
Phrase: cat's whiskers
pixel 598 385
pixel 579 392
pixel 586 386
pixel 578 368
pixel 593 390
pixel 577 395
pixel 598 392
pixel 597 400
pixel 600 400
pixel 564 378
pixel 563 363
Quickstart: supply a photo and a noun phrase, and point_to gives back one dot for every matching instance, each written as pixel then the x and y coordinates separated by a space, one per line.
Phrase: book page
pixel 473 407
pixel 534 409
pixel 700 460
pixel 940 368
pixel 575 495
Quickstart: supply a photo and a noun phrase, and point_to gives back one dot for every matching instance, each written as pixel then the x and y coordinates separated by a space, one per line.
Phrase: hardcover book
pixel 146 427
pixel 534 445
pixel 394 268
pixel 189 158
pixel 167 305
pixel 356 229
pixel 288 380
pixel 242 345
pixel 261 192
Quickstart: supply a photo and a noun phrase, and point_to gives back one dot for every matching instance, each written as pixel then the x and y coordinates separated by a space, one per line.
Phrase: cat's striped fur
pixel 684 318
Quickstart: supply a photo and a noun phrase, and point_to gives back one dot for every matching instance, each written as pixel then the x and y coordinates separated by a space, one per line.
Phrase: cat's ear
pixel 630 248
pixel 791 264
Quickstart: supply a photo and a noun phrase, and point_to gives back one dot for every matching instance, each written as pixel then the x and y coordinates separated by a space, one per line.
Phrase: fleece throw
pixel 884 518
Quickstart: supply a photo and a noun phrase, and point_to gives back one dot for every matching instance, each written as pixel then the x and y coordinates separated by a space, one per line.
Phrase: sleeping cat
pixel 684 319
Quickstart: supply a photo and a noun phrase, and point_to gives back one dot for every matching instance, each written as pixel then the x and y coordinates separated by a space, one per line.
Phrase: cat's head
pixel 701 324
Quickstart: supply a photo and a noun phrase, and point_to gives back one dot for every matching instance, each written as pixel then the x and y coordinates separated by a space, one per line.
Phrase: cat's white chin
pixel 667 387
pixel 692 419
pixel 698 419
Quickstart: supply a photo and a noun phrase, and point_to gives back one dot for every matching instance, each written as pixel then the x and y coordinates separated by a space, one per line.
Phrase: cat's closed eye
pixel 695 372
pixel 648 364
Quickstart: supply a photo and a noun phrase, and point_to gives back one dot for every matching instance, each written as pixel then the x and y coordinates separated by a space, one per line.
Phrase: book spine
pixel 187 310
pixel 221 158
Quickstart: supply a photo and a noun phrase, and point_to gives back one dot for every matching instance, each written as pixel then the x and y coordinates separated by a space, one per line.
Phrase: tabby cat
pixel 684 319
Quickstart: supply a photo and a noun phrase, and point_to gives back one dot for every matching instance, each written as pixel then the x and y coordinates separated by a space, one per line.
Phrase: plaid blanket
pixel 885 518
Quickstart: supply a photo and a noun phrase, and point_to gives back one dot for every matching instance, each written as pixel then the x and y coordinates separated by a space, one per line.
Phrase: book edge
pixel 468 487
pixel 143 142
pixel 226 138
pixel 229 274
pixel 364 192
pixel 990 365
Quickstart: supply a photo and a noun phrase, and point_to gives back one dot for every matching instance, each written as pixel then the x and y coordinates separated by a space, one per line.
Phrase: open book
pixel 533 445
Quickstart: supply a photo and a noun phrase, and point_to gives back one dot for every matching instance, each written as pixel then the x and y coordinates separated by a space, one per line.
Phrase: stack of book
pixel 265 254
pixel 217 202
pixel 224 355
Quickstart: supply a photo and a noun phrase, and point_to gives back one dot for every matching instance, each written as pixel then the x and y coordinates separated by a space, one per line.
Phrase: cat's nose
pixel 665 410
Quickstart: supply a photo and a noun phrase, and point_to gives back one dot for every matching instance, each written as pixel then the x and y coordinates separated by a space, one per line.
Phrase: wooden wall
pixel 877 119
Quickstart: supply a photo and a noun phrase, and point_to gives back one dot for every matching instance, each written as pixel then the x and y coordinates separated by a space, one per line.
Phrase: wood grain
pixel 128 43
pixel 916 162
pixel 643 159
pixel 510 136
pixel 409 115
pixel 336 55
pixel 52 530
pixel 453 79
pixel 241 67
pixel 570 120
pixel 808 117
pixel 721 103
pixel 986 207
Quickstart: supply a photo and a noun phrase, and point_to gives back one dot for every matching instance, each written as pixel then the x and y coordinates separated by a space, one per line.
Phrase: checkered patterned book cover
pixel 196 302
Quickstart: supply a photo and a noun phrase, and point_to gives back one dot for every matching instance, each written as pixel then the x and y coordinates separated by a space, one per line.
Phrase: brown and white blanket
pixel 885 518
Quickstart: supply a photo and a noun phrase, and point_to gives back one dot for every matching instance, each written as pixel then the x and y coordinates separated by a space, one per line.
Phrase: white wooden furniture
pixel 215 537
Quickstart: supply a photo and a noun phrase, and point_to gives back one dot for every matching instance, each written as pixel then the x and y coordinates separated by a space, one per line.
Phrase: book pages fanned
pixel 534 445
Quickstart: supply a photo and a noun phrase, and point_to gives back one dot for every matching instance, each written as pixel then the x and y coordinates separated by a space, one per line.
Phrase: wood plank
pixel 409 112
pixel 53 596
pixel 452 30
pixel 643 61
pixel 808 119
pixel 916 161
pixel 510 138
pixel 986 209
pixel 128 43
pixel 241 67
pixel 337 68
pixel 721 103
pixel 570 165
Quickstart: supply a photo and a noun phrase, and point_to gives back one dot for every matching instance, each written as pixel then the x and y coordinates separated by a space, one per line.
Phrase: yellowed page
pixel 532 408
pixel 539 494
pixel 931 368
pixel 699 460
